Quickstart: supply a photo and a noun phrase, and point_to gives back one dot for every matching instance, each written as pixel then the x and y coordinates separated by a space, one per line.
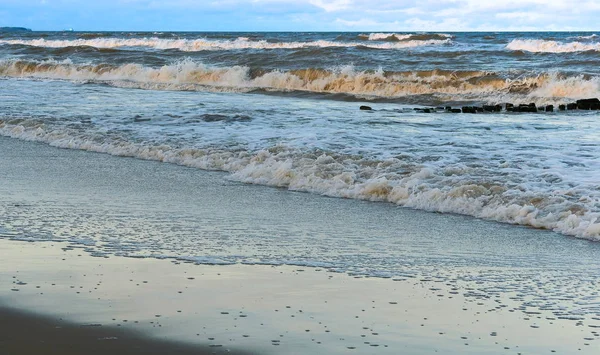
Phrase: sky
pixel 302 15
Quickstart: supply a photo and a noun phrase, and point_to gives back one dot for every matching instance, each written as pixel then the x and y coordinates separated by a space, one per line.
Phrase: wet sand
pixel 107 243
pixel 26 333
pixel 261 309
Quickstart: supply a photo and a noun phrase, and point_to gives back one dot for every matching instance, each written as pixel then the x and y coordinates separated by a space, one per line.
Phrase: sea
pixel 282 109
pixel 271 160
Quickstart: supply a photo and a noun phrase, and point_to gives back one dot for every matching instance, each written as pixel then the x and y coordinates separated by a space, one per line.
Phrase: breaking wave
pixel 444 85
pixel 453 188
pixel 397 37
pixel 544 46
pixel 195 45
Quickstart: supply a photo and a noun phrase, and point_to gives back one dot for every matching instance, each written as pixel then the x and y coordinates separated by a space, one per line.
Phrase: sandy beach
pixel 173 307
pixel 71 281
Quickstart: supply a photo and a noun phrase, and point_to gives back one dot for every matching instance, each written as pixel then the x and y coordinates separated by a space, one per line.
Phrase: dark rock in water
pixel 587 104
pixel 213 118
pixel 562 107
pixel 478 109
pixel 455 110
pixel 217 118
pixel 468 109
pixel 439 108
pixel 448 108
pixel 549 108
pixel 525 108
pixel 138 118
pixel 572 106
pixel 365 108
pixel 509 107
pixel 424 110
pixel 492 108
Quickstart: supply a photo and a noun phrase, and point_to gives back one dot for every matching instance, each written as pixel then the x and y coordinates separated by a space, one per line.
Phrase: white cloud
pixel 358 15
pixel 331 6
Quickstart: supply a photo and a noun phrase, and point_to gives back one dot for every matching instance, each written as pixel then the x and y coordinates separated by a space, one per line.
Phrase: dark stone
pixel 595 107
pixel 509 107
pixel 525 108
pixel 498 108
pixel 138 118
pixel 562 107
pixel 489 108
pixel 468 109
pixel 455 110
pixel 448 108
pixel 439 108
pixel 549 108
pixel 478 109
pixel 365 108
pixel 207 117
pixel 586 104
pixel 572 106
pixel 427 110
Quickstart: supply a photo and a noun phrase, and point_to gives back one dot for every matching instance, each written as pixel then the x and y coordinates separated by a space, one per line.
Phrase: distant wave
pixel 589 37
pixel 544 46
pixel 453 188
pixel 396 37
pixel 195 45
pixel 445 85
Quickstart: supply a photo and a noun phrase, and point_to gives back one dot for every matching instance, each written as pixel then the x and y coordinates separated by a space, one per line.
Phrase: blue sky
pixel 302 15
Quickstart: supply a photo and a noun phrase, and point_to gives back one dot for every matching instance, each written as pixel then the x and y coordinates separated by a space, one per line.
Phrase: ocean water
pixel 282 109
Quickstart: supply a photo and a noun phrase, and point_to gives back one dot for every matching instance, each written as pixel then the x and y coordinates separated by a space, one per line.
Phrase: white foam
pixel 191 75
pixel 402 37
pixel 443 188
pixel 195 45
pixel 543 46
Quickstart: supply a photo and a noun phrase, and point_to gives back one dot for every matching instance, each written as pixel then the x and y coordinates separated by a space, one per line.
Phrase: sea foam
pixel 544 46
pixel 405 37
pixel 192 75
pixel 195 45
pixel 449 188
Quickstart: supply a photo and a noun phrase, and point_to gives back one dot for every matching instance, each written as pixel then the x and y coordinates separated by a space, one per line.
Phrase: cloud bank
pixel 302 15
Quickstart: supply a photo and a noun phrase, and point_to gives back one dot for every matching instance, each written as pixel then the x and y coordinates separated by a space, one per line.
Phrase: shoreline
pixel 91 240
pixel 261 309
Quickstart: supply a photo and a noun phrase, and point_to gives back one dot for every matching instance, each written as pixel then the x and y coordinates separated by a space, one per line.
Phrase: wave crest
pixel 444 85
pixel 196 45
pixel 450 188
pixel 397 37
pixel 545 46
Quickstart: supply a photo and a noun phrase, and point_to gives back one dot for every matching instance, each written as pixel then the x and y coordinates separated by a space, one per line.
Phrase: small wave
pixel 445 85
pixel 195 45
pixel 544 46
pixel 590 37
pixel 397 37
pixel 451 188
